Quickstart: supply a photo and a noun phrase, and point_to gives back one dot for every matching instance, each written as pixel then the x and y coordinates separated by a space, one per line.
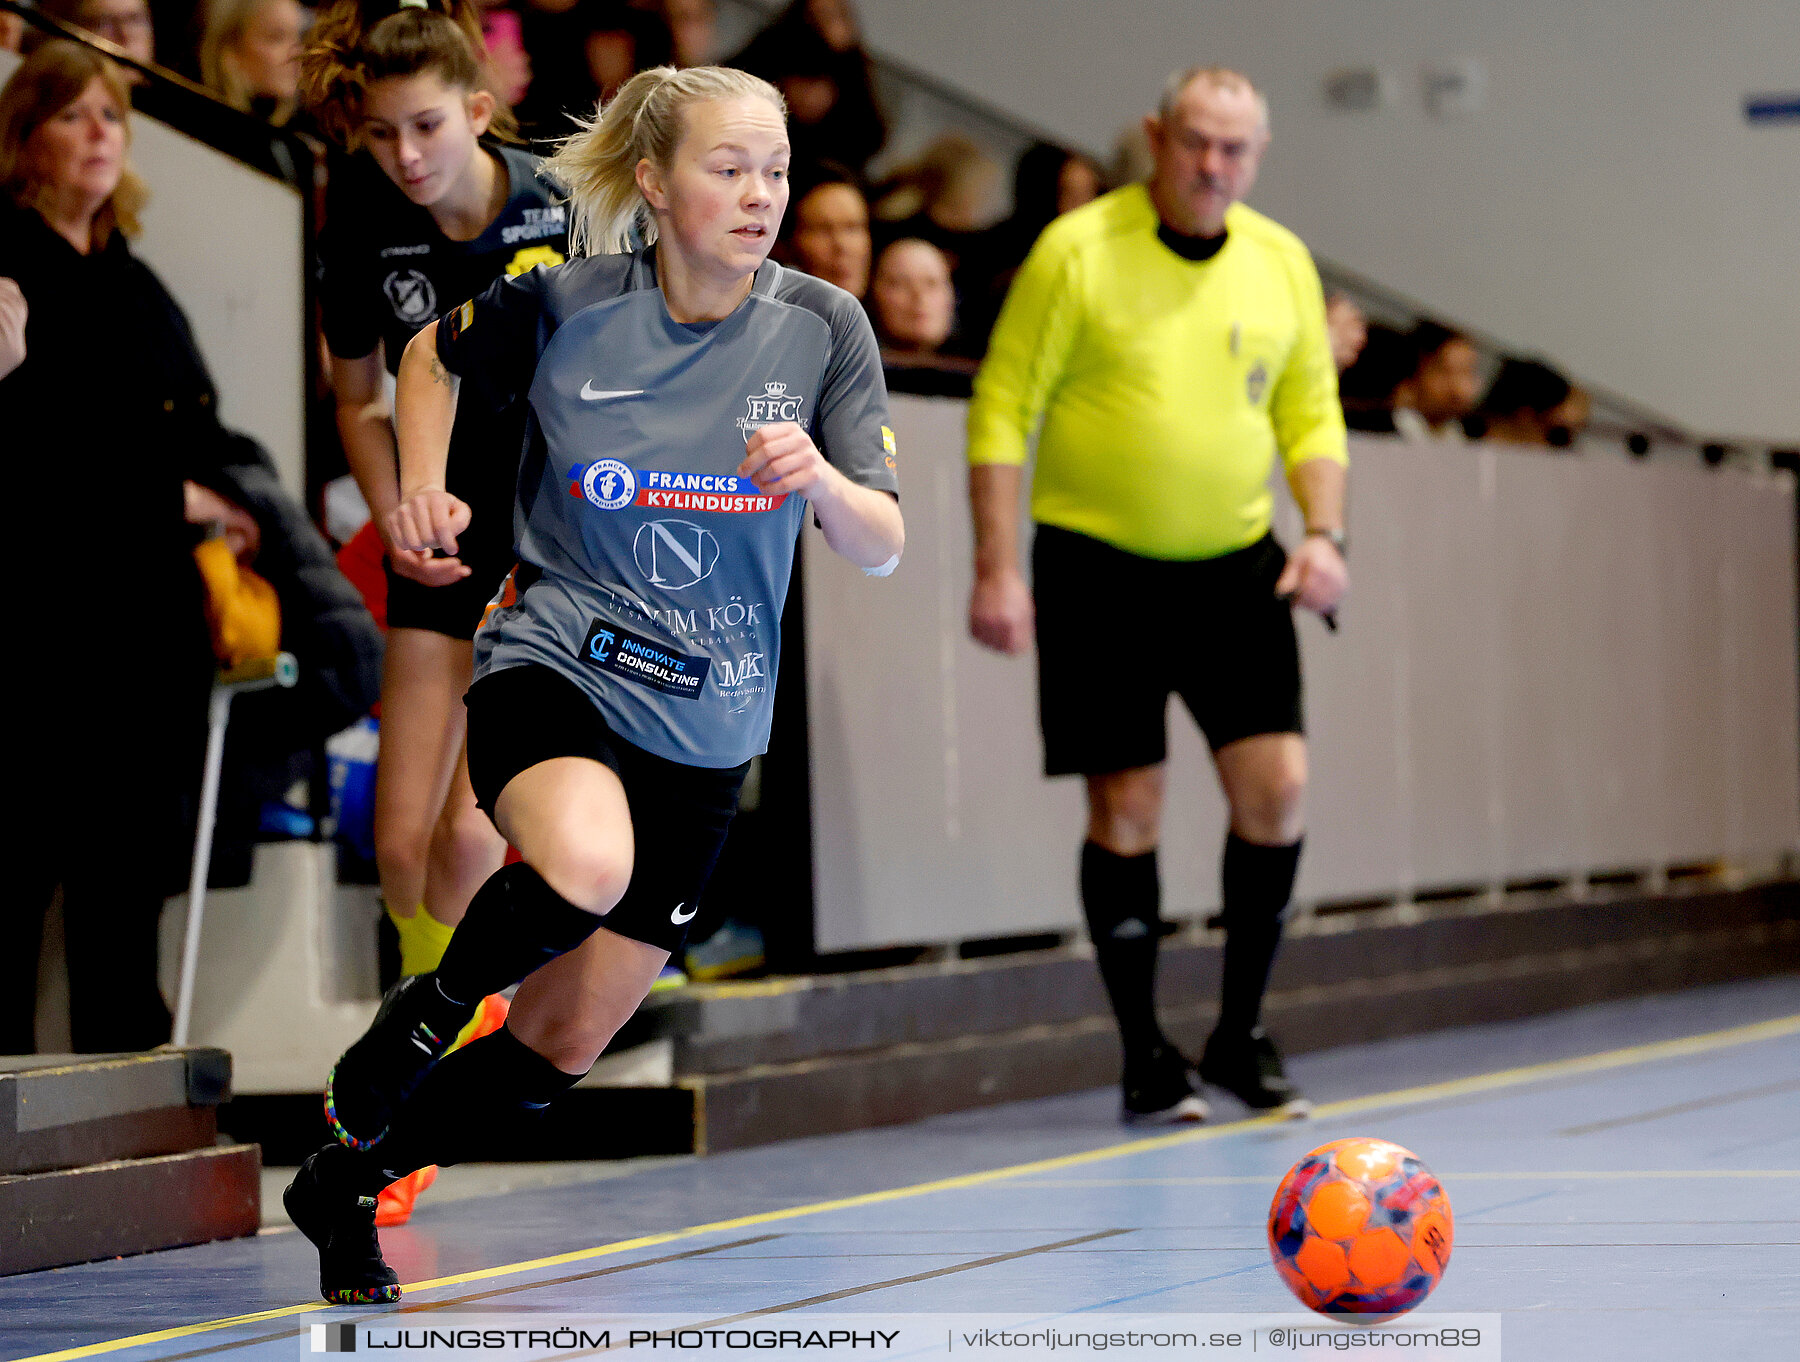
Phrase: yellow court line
pixel 1431 1092
pixel 1566 1175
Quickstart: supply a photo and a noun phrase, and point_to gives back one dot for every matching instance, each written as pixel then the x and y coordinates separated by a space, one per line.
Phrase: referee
pixel 1172 340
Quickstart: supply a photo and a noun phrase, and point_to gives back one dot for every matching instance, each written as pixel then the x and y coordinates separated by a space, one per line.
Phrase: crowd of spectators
pixel 892 239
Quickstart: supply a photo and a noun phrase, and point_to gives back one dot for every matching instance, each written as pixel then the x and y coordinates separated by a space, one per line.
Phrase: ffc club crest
pixel 771 405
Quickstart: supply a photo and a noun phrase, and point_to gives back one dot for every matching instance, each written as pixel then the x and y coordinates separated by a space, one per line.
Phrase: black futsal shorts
pixel 454 610
pixel 1117 634
pixel 679 814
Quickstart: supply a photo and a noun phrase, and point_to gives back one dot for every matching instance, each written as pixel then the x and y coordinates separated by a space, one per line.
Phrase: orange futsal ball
pixel 1360 1227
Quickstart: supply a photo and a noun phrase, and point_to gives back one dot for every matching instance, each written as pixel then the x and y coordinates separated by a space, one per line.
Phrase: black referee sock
pixel 515 923
pixel 486 1086
pixel 1257 882
pixel 1122 897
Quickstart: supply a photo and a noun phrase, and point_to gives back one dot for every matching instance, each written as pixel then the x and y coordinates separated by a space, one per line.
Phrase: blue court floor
pixel 1626 1182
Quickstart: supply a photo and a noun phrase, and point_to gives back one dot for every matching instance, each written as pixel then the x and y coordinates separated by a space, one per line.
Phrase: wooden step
pixel 64 1111
pixel 107 1210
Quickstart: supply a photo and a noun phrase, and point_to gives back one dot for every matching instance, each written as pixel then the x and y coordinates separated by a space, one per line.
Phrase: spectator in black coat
pixel 1047 182
pixel 1530 403
pixel 112 434
pixel 812 52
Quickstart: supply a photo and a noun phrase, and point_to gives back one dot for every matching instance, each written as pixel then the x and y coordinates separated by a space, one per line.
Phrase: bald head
pixel 1207 138
pixel 1221 78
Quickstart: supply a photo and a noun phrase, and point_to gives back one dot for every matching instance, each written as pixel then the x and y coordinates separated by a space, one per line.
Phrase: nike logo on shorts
pixel 678 917
pixel 589 393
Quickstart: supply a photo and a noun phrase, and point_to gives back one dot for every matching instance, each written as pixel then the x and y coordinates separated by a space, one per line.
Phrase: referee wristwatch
pixel 1339 540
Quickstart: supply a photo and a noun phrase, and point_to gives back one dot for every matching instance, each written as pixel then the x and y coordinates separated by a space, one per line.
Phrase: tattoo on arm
pixel 439 374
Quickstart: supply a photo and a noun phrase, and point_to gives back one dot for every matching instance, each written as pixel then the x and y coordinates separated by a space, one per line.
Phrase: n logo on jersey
pixel 411 296
pixel 674 554
pixel 772 404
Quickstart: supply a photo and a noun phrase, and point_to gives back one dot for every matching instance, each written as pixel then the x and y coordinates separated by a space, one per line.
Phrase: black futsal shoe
pixel 413 1029
pixel 1248 1066
pixel 1158 1090
pixel 341 1226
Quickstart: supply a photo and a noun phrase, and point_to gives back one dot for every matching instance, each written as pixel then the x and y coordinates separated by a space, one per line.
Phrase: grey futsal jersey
pixel 650 574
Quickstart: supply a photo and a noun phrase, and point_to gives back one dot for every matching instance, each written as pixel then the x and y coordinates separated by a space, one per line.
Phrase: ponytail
pixel 355 43
pixel 598 162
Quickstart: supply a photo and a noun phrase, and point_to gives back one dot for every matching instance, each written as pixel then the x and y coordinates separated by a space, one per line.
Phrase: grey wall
pixel 1608 207
pixel 1548 665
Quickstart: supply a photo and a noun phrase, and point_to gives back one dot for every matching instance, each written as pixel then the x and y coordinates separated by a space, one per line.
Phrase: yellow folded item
pixel 241 608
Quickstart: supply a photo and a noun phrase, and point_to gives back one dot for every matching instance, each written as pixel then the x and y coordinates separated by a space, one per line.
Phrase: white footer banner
pixel 551 1337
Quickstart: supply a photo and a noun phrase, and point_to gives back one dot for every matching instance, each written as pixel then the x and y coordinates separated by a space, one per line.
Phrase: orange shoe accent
pixel 395 1204
pixel 488 1018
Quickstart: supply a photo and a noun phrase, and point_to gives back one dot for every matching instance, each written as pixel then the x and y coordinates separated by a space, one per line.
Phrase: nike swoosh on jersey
pixel 678 917
pixel 589 393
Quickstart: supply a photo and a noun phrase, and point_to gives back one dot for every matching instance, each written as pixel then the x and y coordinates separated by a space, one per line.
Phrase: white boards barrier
pixel 1549 665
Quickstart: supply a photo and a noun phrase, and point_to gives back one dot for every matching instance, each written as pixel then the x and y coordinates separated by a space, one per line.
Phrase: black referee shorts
pixel 679 814
pixel 1118 633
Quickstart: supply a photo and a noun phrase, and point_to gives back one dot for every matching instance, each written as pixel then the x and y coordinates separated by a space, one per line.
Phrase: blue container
pixel 351 756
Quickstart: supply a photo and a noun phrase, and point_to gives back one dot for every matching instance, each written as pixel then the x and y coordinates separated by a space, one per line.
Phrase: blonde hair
pixel 226 23
pixel 355 43
pixel 1219 78
pixel 46 83
pixel 644 122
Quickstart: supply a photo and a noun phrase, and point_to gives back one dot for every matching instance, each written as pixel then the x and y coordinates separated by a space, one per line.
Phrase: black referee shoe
pixel 341 1226
pixel 1248 1066
pixel 1158 1090
pixel 413 1029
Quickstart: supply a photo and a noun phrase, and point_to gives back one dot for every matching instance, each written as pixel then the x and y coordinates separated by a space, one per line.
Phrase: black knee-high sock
pixel 476 1090
pixel 515 923
pixel 1257 882
pixel 1122 898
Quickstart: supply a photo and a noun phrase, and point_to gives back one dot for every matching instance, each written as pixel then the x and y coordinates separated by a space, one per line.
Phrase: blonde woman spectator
pixel 250 54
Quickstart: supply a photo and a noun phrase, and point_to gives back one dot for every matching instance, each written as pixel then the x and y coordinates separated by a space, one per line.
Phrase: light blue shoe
pixel 732 950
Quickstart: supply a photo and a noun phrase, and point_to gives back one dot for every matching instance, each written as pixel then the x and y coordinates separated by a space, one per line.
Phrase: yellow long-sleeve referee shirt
pixel 1166 386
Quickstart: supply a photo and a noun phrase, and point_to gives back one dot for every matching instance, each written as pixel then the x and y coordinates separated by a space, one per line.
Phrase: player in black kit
pixel 424 210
